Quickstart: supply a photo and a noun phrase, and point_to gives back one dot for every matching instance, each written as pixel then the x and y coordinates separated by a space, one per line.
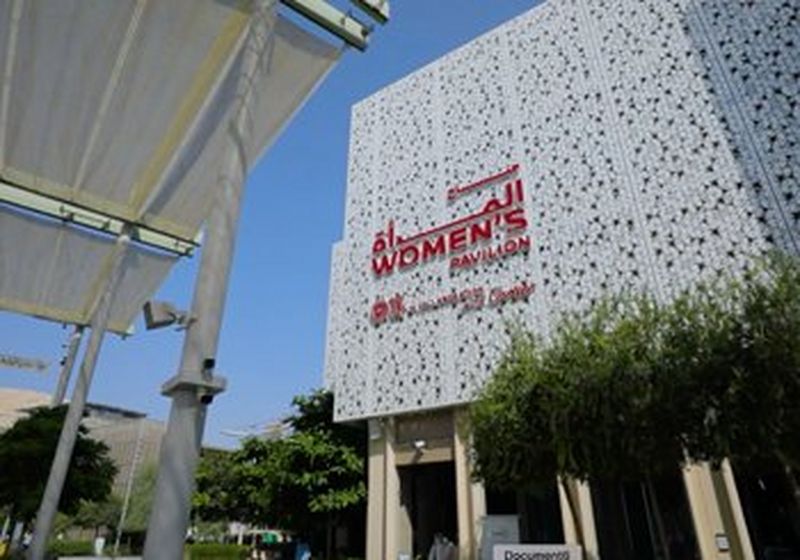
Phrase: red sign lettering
pixel 392 252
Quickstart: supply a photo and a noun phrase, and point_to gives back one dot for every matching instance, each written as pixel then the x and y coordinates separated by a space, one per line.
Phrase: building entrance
pixel 428 493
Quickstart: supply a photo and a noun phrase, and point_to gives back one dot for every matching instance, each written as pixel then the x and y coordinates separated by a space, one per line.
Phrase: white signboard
pixel 498 529
pixel 537 552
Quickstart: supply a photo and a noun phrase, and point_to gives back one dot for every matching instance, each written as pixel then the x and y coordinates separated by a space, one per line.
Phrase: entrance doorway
pixel 428 493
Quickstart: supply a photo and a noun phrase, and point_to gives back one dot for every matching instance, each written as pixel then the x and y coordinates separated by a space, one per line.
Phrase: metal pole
pixel 194 385
pixel 69 432
pixel 67 365
pixel 129 486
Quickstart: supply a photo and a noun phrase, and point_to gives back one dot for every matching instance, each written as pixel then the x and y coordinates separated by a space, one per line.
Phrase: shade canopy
pixel 115 113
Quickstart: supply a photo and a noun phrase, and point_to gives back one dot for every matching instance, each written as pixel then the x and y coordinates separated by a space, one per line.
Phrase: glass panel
pixel 645 520
pixel 538 510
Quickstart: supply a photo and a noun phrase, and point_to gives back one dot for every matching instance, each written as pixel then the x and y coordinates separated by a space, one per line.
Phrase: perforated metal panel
pixel 657 145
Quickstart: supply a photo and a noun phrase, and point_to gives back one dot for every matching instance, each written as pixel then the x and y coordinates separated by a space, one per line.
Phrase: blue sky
pixel 273 336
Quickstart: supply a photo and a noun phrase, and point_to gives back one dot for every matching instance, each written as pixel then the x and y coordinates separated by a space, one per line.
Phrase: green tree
pixel 218 495
pixel 141 500
pixel 632 389
pixel 98 515
pixel 26 452
pixel 307 482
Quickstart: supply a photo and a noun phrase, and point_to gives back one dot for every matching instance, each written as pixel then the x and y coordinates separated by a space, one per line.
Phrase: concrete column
pixel 478 495
pixel 391 498
pixel 591 547
pixel 737 512
pixel 376 482
pixel 570 531
pixel 582 497
pixel 470 495
pixel 195 385
pixel 706 513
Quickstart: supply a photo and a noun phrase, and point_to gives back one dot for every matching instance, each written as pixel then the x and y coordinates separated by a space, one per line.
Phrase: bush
pixel 216 551
pixel 70 548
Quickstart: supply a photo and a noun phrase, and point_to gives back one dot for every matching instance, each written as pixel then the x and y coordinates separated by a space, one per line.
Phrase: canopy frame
pixel 94 219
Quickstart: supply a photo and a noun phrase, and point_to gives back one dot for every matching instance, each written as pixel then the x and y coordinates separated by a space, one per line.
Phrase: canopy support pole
pixel 195 385
pixel 126 500
pixel 69 432
pixel 67 365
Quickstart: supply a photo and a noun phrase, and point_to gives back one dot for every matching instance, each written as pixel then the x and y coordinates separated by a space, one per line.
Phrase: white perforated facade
pixel 656 143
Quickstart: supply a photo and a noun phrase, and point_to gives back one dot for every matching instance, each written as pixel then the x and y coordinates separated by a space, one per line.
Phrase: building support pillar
pixel 742 533
pixel 470 495
pixel 706 513
pixel 591 546
pixel 478 495
pixel 581 496
pixel 376 484
pixel 391 494
pixel 195 384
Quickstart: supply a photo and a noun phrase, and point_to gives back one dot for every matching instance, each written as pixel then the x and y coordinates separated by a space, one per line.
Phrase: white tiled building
pixel 584 148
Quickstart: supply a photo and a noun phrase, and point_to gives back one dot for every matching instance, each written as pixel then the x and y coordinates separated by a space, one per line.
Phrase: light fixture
pixel 419 445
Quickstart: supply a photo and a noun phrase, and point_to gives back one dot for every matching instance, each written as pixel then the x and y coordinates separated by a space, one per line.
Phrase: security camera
pixel 419 445
pixel 206 394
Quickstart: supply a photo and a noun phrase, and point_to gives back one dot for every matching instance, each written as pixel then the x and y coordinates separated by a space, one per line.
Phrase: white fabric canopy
pixel 122 107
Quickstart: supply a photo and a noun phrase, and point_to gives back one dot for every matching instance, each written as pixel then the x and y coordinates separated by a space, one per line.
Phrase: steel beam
pixel 348 29
pixel 92 219
pixel 66 366
pixel 376 9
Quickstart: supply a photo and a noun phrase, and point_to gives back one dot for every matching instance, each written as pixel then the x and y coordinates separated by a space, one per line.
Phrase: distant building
pixel 133 439
pixel 14 403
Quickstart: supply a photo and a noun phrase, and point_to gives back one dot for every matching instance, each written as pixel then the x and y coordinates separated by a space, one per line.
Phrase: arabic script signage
pixel 465 241
pixel 397 307
pixel 496 230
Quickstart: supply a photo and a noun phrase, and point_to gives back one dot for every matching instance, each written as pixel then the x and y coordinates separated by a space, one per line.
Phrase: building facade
pixel 133 440
pixel 585 148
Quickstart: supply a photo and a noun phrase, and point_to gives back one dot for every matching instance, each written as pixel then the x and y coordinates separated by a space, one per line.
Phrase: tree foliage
pixel 299 482
pixel 141 500
pixel 95 515
pixel 218 496
pixel 634 388
pixel 26 452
